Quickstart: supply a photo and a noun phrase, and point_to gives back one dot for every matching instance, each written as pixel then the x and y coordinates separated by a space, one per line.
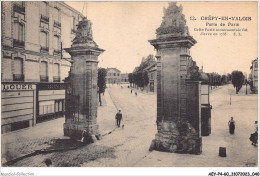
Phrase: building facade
pixel 113 76
pixel 124 78
pixel 152 75
pixel 33 63
pixel 254 76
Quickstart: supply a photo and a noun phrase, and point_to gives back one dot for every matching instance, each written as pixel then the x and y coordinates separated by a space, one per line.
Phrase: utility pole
pixel 61 50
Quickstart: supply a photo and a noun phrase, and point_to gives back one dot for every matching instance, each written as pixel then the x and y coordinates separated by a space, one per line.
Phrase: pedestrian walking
pixel 135 93
pixel 118 117
pixel 131 90
pixel 254 136
pixel 232 125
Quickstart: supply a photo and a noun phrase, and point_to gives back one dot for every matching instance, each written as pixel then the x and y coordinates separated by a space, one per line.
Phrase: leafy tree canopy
pixel 237 80
pixel 102 73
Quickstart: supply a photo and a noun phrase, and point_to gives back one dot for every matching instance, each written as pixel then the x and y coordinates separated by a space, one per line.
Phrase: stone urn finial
pixel 173 23
pixel 84 35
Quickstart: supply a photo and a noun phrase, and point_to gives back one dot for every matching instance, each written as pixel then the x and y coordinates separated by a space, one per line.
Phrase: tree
pixel 102 73
pixel 218 80
pixel 145 78
pixel 237 80
pixel 223 79
pixel 193 72
pixel 131 78
pixel 229 77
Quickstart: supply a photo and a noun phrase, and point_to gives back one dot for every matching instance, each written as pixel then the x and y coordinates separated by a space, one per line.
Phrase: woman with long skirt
pixel 232 126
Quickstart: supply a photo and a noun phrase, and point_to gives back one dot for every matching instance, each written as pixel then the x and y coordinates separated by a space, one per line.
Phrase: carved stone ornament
pixel 173 23
pixel 84 34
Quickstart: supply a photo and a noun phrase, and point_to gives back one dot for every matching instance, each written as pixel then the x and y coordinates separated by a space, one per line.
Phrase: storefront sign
pixel 18 86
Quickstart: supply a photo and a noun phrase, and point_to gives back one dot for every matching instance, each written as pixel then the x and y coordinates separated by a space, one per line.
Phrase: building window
pixel 74 23
pixel 18 35
pixel 56 14
pixel 56 72
pixel 256 65
pixel 56 42
pixel 18 70
pixel 56 17
pixel 44 41
pixel 44 9
pixel 114 74
pixel 44 71
pixel 44 12
pixel 255 73
pixel 19 6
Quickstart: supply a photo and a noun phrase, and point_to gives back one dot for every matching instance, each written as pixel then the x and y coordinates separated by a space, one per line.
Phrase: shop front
pixel 50 101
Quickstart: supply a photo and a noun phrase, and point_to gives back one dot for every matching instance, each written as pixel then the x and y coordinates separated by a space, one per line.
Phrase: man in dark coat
pixel 118 118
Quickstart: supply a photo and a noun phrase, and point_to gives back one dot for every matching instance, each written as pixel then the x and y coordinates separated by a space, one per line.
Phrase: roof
pixel 150 66
pixel 136 69
pixel 117 70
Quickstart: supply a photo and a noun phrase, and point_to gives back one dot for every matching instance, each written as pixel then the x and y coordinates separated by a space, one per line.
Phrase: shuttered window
pixel 56 42
pixel 43 39
pixel 43 68
pixel 56 70
pixel 18 66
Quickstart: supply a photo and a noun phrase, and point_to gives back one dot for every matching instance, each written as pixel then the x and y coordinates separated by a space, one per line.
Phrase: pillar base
pixel 170 139
pixel 184 146
pixel 205 120
pixel 74 131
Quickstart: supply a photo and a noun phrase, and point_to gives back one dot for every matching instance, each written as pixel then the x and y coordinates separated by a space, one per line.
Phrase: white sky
pixel 124 28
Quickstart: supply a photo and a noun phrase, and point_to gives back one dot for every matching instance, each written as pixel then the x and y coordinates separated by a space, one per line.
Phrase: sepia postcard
pixel 129 84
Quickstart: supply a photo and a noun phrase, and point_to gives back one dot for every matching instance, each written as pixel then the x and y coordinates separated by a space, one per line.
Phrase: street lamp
pixel 246 86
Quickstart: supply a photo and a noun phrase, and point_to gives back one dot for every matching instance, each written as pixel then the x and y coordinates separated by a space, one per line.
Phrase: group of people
pixel 135 92
pixel 253 137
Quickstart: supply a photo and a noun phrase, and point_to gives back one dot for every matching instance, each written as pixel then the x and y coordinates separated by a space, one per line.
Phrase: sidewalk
pixel 106 115
pixel 45 135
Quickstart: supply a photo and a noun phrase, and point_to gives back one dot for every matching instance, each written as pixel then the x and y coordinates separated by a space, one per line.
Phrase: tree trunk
pixel 100 99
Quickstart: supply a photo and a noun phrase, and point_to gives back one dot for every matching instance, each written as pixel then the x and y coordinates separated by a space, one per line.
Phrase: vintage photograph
pixel 129 84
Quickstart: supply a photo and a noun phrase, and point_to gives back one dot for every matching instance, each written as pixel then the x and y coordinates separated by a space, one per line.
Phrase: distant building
pixel 149 64
pixel 113 76
pixel 136 69
pixel 124 78
pixel 152 75
pixel 33 63
pixel 254 75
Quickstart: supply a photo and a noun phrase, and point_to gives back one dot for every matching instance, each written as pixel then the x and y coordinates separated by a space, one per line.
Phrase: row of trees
pixel 140 76
pixel 237 78
pixel 216 79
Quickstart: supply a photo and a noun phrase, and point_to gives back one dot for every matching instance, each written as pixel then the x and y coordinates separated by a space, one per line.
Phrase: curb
pixel 112 100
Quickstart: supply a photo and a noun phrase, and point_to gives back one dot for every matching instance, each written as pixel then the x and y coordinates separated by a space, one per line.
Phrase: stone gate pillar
pixel 81 92
pixel 178 96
